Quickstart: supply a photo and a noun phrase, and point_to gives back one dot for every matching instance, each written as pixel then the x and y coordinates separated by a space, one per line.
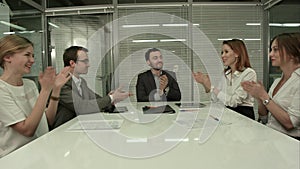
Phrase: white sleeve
pixel 235 96
pixel 9 112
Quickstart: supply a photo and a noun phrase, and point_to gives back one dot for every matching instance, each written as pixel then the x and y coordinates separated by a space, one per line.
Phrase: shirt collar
pixel 76 80
pixel 297 71
pixel 235 74
pixel 161 72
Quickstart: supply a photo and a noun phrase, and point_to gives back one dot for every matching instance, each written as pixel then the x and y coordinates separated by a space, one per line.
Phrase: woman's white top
pixel 16 103
pixel 231 92
pixel 288 98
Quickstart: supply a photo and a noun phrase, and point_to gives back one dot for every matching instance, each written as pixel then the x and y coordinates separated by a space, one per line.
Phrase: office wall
pixel 4 17
pixel 27 24
pixel 216 21
pixel 283 18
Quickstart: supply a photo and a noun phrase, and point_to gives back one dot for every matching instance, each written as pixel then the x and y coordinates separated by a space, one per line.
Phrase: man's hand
pixel 163 82
pixel 119 95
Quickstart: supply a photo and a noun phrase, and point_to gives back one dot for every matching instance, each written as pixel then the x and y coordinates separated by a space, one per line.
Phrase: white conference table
pixel 153 141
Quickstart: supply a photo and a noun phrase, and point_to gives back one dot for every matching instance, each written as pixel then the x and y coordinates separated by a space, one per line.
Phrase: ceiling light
pixel 156 25
pixel 54 25
pixel 275 24
pixel 176 139
pixel 172 40
pixel 285 24
pixel 8 33
pixel 183 24
pixel 249 39
pixel 252 39
pixel 222 39
pixel 141 41
pixel 139 26
pixel 253 24
pixel 26 32
pixel 13 25
pixel 291 24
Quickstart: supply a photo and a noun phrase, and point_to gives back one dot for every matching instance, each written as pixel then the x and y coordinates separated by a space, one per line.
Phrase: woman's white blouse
pixel 16 104
pixel 231 92
pixel 288 98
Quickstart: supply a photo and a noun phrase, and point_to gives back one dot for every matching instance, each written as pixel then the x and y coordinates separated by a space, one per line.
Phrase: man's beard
pixel 157 69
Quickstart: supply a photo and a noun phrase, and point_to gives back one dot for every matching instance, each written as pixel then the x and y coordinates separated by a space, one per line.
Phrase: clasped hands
pixel 255 89
pixel 163 83
pixel 50 80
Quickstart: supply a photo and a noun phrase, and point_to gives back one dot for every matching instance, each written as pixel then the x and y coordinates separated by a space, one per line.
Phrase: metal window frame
pixel 113 8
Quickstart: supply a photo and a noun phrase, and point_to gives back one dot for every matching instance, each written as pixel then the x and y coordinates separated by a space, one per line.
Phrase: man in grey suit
pixel 75 96
pixel 157 84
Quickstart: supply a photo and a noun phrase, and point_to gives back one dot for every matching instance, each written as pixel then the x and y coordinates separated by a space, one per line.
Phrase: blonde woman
pixel 22 108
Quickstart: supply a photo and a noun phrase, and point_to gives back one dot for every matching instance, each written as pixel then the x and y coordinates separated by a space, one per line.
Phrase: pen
pixel 214 117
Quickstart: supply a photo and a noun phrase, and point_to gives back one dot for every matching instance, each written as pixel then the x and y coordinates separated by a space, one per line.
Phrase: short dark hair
pixel 71 54
pixel 147 54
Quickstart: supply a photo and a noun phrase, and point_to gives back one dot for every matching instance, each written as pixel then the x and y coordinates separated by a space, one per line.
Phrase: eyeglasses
pixel 86 61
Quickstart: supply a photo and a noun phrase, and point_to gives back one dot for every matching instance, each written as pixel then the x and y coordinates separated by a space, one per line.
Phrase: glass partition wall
pixel 89 31
pixel 117 34
pixel 125 33
pixel 284 17
pixel 17 17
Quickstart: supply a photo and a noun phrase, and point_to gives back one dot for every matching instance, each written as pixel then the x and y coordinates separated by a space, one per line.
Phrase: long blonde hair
pixel 11 44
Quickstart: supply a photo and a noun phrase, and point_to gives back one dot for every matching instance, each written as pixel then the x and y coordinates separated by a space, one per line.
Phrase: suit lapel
pixel 73 87
pixel 85 89
pixel 151 81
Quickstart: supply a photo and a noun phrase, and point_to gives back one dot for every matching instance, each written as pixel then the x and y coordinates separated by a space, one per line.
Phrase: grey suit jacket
pixel 72 104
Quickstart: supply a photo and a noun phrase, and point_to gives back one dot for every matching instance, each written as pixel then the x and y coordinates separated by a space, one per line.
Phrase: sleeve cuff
pixel 212 89
pixel 263 119
pixel 222 96
pixel 111 98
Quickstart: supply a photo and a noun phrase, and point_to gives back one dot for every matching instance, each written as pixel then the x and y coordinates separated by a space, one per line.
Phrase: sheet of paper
pixel 198 123
pixel 96 125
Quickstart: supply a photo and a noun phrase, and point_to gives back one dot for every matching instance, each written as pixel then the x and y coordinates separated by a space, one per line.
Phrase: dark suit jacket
pixel 72 104
pixel 146 87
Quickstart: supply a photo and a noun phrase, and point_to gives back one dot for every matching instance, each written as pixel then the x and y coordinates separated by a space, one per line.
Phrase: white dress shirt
pixel 288 98
pixel 78 84
pixel 157 96
pixel 231 92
